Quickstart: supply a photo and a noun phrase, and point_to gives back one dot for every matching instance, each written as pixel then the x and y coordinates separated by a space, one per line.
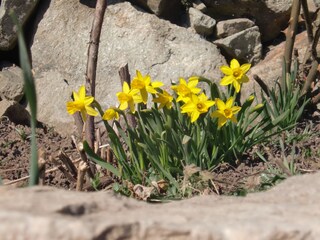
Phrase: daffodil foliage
pixel 180 125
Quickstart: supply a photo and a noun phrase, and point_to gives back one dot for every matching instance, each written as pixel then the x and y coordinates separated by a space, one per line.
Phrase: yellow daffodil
pixel 235 74
pixel 165 99
pixel 81 104
pixel 128 97
pixel 110 114
pixel 186 89
pixel 196 106
pixel 144 85
pixel 225 111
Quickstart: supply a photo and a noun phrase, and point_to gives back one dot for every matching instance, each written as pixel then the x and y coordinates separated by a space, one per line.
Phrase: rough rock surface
pixel 269 15
pixel 288 211
pixel 147 43
pixel 200 22
pixel 22 9
pixel 244 46
pixel 229 27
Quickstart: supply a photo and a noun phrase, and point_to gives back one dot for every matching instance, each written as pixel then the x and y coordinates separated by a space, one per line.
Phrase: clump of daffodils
pixel 194 102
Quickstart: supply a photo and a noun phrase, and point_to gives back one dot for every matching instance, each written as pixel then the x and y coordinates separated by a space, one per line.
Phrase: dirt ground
pixel 251 174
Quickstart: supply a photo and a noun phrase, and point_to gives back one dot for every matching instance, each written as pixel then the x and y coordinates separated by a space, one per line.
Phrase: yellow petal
pixel 237 86
pixel 76 96
pixel 235 109
pixel 222 121
pixel 193 84
pixel 188 107
pixel 193 78
pixel 71 108
pixel 144 95
pixel 123 106
pixel 226 80
pixel 226 70
pixel 125 87
pixel 123 97
pixel 209 103
pixel 137 99
pixel 157 84
pixel 229 102
pixel 182 81
pixel 88 100
pixel 110 114
pixel 82 92
pixel 139 75
pixel 132 107
pixel 147 80
pixel 91 111
pixel 216 114
pixel 234 64
pixel 245 67
pixel 220 104
pixel 151 90
pixel 194 116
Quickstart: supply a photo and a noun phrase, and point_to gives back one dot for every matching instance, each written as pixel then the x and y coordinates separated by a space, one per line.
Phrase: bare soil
pixel 249 174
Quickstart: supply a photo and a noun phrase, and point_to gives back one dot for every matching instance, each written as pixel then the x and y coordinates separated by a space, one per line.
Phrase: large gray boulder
pixel 147 43
pixel 8 32
pixel 290 211
pixel 269 15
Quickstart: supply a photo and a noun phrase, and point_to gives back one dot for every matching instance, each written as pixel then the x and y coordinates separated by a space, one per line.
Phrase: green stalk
pixel 30 92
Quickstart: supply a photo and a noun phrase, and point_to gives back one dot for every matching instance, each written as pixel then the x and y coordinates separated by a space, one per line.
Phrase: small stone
pixel 202 23
pixel 229 27
pixel 11 83
pixel 244 46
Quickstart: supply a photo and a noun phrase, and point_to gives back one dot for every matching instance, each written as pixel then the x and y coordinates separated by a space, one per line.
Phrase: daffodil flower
pixel 186 89
pixel 81 104
pixel 235 74
pixel 225 111
pixel 144 85
pixel 110 114
pixel 128 97
pixel 196 106
pixel 165 100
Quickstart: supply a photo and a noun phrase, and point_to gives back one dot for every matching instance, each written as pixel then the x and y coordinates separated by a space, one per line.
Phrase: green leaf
pixel 94 157
pixel 31 95
pixel 280 117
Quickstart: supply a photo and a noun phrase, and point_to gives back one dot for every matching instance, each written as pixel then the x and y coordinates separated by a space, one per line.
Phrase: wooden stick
pixel 81 174
pixel 68 163
pixel 125 77
pixel 92 62
pixel 291 35
pixel 42 166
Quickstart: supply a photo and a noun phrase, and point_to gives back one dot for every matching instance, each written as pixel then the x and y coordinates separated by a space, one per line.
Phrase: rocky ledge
pixel 288 211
